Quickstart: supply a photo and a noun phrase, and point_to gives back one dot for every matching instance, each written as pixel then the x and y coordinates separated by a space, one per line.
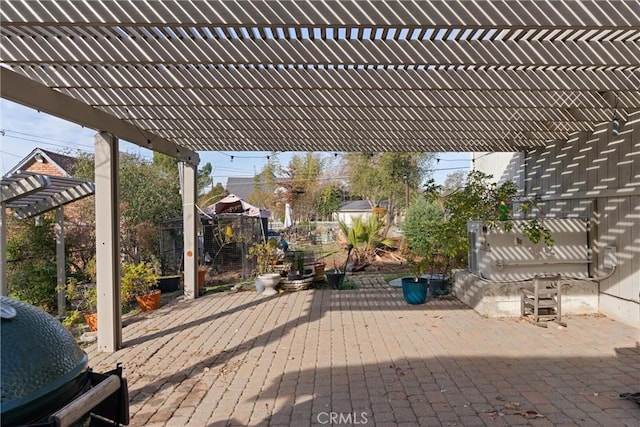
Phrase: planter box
pixel 169 283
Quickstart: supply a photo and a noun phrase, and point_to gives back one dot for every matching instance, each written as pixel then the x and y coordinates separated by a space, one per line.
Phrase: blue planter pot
pixel 414 292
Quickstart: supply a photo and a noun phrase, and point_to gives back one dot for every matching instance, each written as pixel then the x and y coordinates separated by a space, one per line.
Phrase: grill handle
pixel 71 413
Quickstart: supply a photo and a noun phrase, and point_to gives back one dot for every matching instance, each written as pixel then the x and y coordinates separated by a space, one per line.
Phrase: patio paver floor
pixel 365 357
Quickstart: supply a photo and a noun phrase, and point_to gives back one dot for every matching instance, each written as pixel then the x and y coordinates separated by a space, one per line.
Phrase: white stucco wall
pixel 592 175
pixel 348 217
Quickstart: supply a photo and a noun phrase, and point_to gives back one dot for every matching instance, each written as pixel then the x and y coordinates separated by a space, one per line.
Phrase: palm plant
pixel 364 236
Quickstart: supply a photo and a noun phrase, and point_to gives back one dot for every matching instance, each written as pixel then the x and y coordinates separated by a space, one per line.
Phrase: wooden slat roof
pixel 335 75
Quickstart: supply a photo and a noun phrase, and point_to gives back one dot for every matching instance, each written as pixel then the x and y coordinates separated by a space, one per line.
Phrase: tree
pixel 328 202
pixel 422 217
pixel 31 266
pixel 264 194
pixel 302 185
pixel 453 181
pixel 149 194
pixel 387 176
pixel 204 178
pixel 166 165
pixel 481 200
pixel 216 193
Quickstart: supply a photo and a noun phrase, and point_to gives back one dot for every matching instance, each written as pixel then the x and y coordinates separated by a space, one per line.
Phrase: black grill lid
pixel 39 358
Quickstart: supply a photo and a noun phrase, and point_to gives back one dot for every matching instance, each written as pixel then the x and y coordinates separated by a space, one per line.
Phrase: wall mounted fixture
pixel 615 122
pixel 615 126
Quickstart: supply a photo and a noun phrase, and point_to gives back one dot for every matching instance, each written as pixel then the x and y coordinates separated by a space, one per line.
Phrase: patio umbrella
pixel 288 214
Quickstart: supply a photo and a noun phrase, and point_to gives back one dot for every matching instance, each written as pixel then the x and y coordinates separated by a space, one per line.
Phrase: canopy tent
pixel 234 204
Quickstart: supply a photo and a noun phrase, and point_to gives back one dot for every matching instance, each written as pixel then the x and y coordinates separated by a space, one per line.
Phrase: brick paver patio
pixel 365 357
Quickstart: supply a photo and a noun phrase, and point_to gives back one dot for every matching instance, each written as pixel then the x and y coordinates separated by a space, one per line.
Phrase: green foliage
pixel 31 266
pixel 137 279
pixel 263 253
pixel 328 201
pixel 73 317
pixel 422 218
pixel 419 265
pixel 265 184
pixel 81 297
pixel 166 165
pixel 216 193
pixel 204 178
pixel 479 200
pixel 149 194
pixel 386 176
pixel 536 232
pixel 302 185
pixel 364 236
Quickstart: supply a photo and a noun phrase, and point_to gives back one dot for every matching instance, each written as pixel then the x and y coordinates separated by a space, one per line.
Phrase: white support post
pixel 4 287
pixel 107 243
pixel 190 216
pixel 61 274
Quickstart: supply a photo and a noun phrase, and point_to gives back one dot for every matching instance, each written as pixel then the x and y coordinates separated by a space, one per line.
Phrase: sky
pixel 23 129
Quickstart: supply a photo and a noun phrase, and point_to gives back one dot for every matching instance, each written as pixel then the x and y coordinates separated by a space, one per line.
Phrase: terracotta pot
pixel 318 269
pixel 92 321
pixel 202 275
pixel 150 301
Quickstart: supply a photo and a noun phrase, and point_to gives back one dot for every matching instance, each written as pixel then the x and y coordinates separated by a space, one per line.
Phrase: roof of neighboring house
pixel 359 206
pixel 243 187
pixel 355 206
pixel 60 162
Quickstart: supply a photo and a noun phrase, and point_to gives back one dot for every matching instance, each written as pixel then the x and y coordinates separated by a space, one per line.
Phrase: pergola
pixel 370 76
pixel 30 194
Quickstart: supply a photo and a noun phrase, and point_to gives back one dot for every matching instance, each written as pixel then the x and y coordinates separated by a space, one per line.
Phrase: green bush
pixel 31 269
pixel 422 217
pixel 137 279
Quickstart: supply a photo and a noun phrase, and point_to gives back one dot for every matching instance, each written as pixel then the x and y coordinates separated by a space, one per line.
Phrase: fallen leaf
pixel 530 413
pixel 512 405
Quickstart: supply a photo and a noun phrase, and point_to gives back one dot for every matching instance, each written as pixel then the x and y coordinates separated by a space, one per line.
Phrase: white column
pixel 4 288
pixel 190 217
pixel 107 243
pixel 61 274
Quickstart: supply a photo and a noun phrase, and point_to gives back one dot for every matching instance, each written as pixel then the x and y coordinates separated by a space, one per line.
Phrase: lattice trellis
pixel 331 75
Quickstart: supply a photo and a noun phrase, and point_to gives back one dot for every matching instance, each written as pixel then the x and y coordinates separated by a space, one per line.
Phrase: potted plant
pixel 415 288
pixel 264 253
pixel 138 281
pixel 83 298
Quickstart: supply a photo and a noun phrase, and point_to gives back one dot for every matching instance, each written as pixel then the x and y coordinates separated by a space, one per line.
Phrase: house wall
pixel 44 168
pixel 72 211
pixel 592 175
pixel 347 216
